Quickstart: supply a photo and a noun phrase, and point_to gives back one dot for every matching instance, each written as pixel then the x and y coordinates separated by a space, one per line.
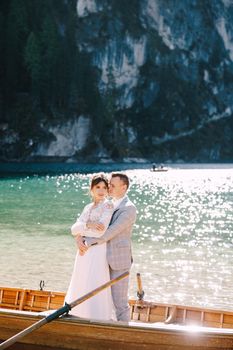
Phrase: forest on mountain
pixel 44 77
pixel 154 80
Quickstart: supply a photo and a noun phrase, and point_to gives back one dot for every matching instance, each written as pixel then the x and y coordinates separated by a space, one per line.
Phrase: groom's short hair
pixel 124 178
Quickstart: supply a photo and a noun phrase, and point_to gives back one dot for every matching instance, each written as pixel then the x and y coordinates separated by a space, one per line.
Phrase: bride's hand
pixel 98 226
pixel 80 245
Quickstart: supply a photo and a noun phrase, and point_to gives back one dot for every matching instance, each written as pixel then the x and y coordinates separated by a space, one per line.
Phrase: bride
pixel 91 269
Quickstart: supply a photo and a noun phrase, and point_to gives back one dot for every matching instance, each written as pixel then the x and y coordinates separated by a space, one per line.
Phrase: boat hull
pixel 72 333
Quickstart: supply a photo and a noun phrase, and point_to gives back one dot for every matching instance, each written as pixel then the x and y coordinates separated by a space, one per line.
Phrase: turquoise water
pixel 182 240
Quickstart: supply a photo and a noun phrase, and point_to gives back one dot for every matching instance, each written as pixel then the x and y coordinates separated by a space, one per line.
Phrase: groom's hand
pixel 89 241
pixel 81 245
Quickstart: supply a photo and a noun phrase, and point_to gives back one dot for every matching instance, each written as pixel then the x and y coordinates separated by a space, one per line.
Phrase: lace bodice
pixel 100 213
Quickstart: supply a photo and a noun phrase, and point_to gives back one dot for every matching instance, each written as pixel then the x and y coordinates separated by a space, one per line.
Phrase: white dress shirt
pixel 117 202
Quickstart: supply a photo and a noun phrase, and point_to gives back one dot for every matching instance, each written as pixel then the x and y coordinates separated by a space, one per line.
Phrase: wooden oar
pixel 64 309
pixel 140 292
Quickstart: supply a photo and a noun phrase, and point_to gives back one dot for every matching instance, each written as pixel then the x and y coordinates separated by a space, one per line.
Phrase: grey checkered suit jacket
pixel 118 236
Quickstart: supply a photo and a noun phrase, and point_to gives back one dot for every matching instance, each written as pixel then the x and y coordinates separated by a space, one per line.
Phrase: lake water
pixel 182 240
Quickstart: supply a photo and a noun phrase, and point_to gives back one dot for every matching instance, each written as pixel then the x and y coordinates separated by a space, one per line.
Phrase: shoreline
pixel 56 168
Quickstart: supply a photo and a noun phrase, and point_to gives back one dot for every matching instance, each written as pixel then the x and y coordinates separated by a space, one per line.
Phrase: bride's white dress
pixel 91 270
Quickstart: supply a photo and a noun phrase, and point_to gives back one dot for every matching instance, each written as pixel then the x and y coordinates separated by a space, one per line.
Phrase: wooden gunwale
pixel 188 328
pixel 141 311
pixel 73 333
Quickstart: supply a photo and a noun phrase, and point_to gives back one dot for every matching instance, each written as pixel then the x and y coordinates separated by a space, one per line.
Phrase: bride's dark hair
pixel 97 179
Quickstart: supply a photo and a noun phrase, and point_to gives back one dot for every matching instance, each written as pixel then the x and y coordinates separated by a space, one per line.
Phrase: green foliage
pixel 50 50
pixel 40 57
pixel 1 58
pixel 33 61
pixel 15 31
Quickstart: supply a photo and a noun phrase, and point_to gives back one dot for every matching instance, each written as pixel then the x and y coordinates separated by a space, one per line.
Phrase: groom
pixel 118 238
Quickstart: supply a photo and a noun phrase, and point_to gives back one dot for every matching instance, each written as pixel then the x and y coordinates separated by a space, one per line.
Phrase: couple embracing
pixel 103 236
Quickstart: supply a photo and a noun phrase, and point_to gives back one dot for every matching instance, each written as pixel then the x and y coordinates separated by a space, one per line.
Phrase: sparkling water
pixel 182 240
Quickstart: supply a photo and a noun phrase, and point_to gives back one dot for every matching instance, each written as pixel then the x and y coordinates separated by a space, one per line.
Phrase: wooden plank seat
pixel 184 315
pixel 11 298
pixel 30 300
pixel 43 300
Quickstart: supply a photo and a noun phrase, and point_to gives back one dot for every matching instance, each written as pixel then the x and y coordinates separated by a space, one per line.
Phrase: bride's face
pixel 99 192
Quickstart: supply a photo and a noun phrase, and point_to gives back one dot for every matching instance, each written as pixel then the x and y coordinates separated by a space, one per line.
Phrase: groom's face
pixel 117 188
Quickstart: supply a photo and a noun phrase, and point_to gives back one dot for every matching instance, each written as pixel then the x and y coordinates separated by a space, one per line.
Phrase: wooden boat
pixel 159 169
pixel 152 325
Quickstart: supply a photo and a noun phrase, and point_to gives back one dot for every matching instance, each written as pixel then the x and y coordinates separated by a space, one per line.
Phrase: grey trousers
pixel 120 295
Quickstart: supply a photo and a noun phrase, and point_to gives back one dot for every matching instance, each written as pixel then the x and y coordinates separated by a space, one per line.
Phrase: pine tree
pixel 33 62
pixel 50 50
pixel 16 33
pixel 2 62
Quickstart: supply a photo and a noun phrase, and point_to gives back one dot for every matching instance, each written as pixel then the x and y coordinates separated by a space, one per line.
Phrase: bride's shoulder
pixel 87 206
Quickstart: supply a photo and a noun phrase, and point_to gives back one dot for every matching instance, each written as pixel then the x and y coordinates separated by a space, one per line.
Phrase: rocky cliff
pixel 161 76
